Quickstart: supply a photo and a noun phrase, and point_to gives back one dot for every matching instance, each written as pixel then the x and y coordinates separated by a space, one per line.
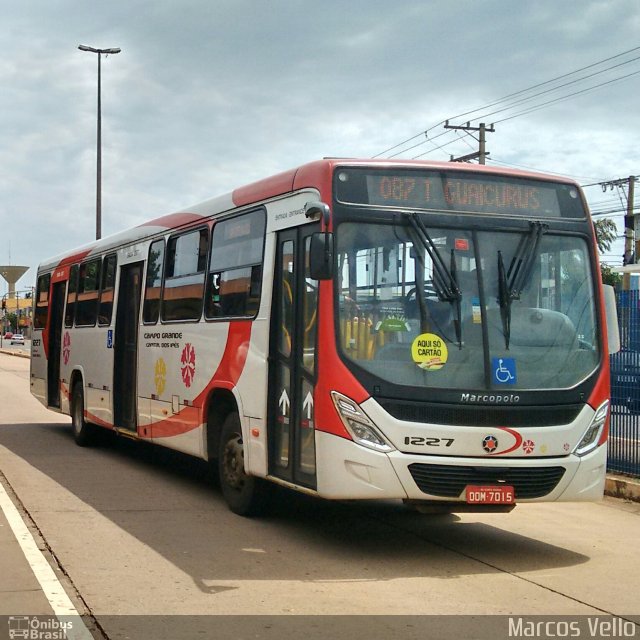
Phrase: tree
pixel 609 276
pixel 606 233
pixel 12 320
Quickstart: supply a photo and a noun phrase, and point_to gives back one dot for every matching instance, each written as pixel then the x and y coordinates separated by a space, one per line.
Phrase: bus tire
pixel 246 495
pixel 83 432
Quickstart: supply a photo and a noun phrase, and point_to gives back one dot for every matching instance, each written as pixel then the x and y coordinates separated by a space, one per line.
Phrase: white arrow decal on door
pixel 308 404
pixel 284 402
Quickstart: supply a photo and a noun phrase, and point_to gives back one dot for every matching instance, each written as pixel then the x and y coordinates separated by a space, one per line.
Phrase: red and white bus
pixel 431 332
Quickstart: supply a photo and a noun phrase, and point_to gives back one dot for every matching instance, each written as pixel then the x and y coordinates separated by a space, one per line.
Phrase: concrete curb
pixel 622 487
pixel 17 354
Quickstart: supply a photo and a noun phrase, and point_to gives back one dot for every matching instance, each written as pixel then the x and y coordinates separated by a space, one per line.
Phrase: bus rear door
pixel 125 365
pixel 54 347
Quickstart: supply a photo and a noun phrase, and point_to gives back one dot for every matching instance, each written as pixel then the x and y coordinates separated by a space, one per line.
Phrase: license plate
pixel 494 494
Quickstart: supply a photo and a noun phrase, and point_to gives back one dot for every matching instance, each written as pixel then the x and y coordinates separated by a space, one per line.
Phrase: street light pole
pixel 83 47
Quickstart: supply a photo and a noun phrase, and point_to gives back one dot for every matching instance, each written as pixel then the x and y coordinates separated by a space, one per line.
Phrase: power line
pixel 612 211
pixel 442 146
pixel 599 183
pixel 395 146
pixel 569 95
pixel 523 100
pixel 541 84
pixel 561 86
pixel 493 160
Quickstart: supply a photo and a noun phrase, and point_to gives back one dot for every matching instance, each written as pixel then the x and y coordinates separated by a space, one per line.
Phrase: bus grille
pixel 449 481
pixel 481 415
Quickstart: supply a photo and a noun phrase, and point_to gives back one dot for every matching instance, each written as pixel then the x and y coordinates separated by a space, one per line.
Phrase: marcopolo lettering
pixel 490 397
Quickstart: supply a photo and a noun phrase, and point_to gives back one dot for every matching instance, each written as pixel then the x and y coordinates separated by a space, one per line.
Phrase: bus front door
pixel 125 357
pixel 291 430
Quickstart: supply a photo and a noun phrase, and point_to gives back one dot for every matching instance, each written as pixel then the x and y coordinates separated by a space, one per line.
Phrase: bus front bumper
pixel 351 471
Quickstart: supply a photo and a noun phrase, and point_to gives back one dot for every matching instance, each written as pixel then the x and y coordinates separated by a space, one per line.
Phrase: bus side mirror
pixel 321 256
pixel 611 313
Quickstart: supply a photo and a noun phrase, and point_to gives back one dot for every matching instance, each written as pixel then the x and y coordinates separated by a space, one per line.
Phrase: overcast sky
pixel 208 95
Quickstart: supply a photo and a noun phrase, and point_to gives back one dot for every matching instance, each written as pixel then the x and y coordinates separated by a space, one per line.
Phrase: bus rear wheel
pixel 83 432
pixel 246 495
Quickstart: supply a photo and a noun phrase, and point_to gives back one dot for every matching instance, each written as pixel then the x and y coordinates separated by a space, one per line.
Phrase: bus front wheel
pixel 83 432
pixel 246 495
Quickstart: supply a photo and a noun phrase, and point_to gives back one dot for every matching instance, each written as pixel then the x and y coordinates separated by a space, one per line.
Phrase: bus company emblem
pixel 490 444
pixel 188 361
pixel 528 446
pixel 66 347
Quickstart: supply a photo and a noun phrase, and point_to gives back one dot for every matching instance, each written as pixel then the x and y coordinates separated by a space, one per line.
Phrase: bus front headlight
pixel 591 436
pixel 358 424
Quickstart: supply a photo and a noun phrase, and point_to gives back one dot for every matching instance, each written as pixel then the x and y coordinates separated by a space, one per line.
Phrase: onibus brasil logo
pixel 38 628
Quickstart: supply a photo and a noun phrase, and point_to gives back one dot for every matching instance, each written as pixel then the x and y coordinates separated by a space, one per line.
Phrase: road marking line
pixel 53 590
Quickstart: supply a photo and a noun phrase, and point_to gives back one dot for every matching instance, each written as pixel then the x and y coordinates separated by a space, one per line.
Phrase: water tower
pixel 12 274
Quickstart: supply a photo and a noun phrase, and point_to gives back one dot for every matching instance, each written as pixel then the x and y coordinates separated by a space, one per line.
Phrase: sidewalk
pixel 20 592
pixel 622 487
pixel 14 352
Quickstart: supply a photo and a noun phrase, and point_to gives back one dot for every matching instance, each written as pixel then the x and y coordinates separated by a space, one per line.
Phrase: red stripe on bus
pixel 314 174
pixel 90 417
pixel 233 360
pixel 173 220
pixel 184 421
pixel 263 189
pixel 333 374
pixel 226 376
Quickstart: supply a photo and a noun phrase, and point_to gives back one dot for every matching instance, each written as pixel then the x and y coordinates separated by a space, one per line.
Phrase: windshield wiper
pixel 504 300
pixel 512 282
pixel 445 279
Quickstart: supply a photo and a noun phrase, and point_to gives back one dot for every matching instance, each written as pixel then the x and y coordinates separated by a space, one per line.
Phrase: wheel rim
pixel 233 463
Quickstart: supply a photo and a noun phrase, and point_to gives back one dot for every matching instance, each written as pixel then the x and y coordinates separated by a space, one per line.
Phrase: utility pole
pixel 482 153
pixel 631 226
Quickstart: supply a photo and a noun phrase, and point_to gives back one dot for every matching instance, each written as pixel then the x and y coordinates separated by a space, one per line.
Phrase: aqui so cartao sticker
pixel 429 352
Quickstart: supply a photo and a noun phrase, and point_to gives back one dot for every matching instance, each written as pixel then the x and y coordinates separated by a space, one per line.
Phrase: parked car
pixel 8 335
pixel 17 338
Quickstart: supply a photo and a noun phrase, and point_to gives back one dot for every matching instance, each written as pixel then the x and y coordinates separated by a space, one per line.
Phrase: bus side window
pixel 88 287
pixel 70 310
pixel 235 269
pixel 184 276
pixel 153 288
pixel 42 302
pixel 309 312
pixel 107 289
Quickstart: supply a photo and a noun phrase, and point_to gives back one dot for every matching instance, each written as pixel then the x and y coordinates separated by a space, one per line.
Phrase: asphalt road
pixel 138 534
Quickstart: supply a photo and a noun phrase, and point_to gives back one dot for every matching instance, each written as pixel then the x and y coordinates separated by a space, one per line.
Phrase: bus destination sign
pixel 456 191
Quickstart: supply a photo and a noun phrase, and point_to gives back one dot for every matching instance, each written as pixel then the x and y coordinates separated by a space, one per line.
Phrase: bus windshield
pixel 422 304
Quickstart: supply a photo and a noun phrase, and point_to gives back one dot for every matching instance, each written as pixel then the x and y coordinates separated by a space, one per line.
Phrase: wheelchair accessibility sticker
pixel 504 370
